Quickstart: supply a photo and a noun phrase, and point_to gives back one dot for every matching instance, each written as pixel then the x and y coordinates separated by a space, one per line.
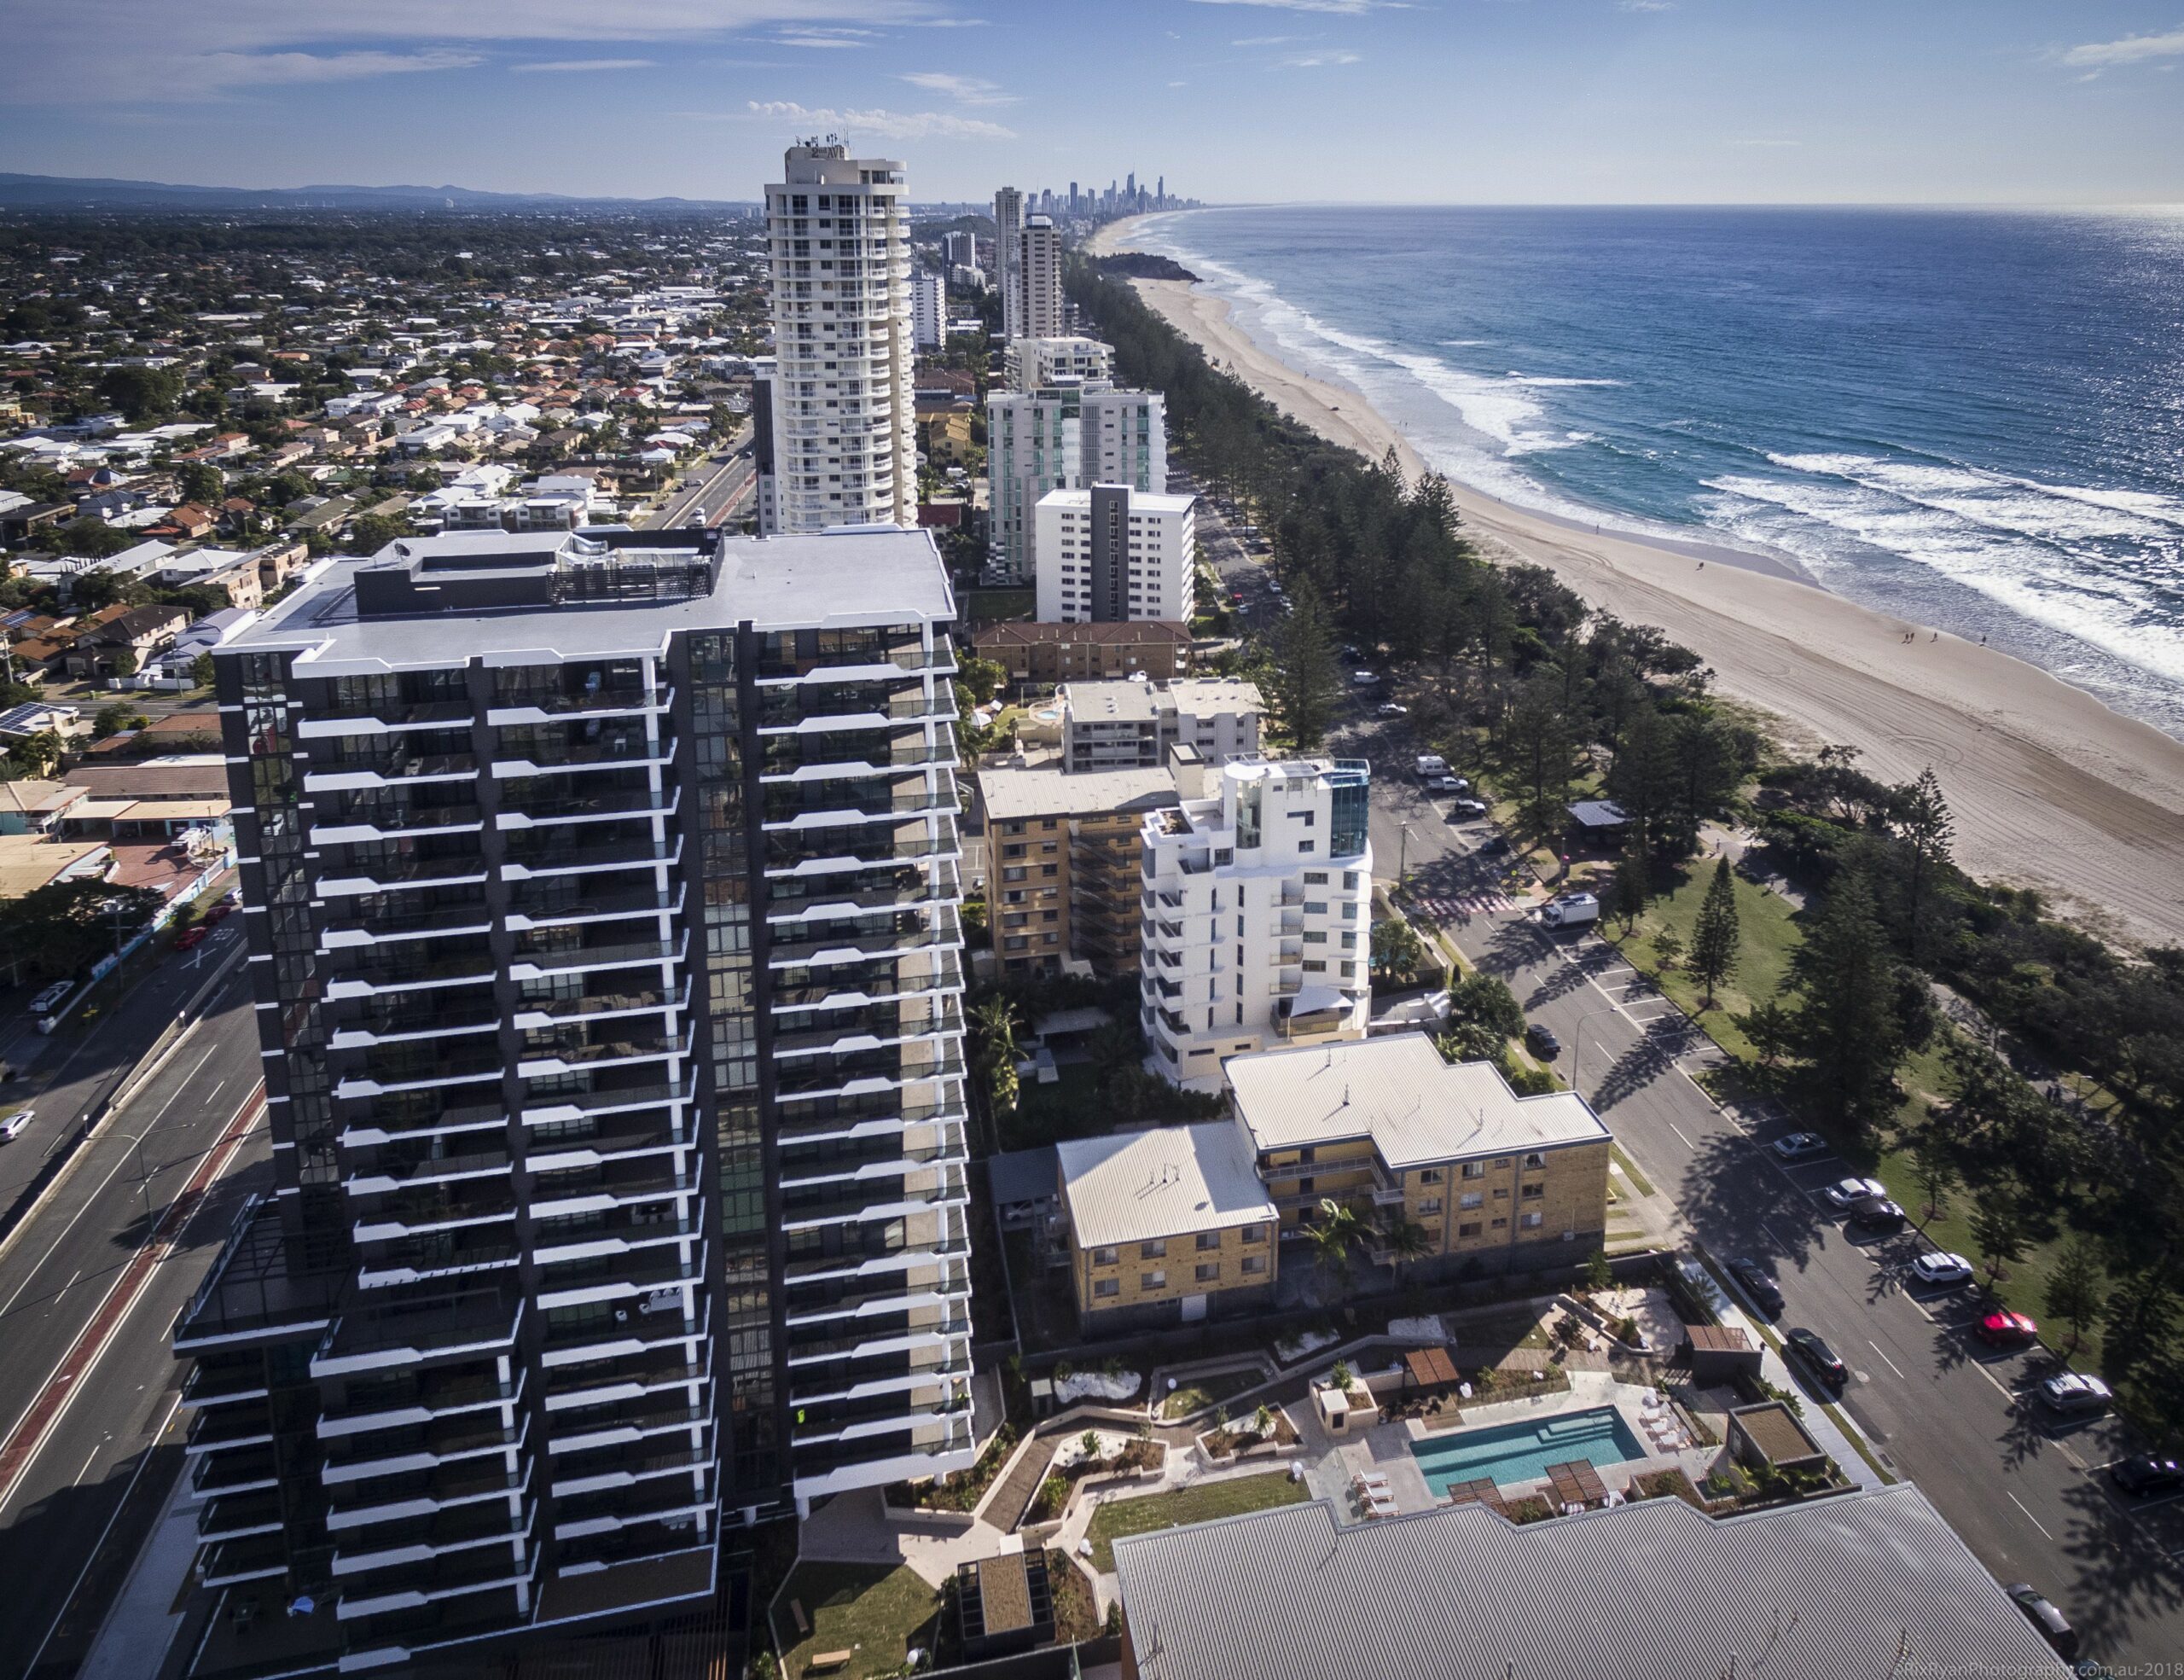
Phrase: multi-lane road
pixel 89 1287
pixel 2027 1492
pixel 717 486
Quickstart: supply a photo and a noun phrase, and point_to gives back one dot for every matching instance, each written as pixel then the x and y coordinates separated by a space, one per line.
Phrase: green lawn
pixel 1203 1392
pixel 1766 934
pixel 871 1611
pixel 1201 1504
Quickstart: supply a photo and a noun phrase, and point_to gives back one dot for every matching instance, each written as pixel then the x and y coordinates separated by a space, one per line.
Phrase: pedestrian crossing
pixel 1444 907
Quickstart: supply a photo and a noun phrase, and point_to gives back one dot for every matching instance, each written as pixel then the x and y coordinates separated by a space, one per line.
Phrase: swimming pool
pixel 1520 1452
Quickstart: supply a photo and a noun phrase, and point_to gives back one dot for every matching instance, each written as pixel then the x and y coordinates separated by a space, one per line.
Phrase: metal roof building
pixel 1859 1587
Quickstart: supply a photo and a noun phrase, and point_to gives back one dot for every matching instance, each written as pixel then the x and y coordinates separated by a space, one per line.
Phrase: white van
pixel 1572 910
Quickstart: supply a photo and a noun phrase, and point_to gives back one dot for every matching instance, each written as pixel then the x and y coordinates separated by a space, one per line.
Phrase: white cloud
pixel 132 52
pixel 965 90
pixel 1339 8
pixel 220 71
pixel 1316 60
pixel 553 67
pixel 825 38
pixel 1645 5
pixel 1268 40
pixel 878 124
pixel 2131 49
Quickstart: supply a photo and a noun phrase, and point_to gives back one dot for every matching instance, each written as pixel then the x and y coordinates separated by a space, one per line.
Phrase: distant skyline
pixel 1437 101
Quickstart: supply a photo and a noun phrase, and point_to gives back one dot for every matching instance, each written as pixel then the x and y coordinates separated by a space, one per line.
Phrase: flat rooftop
pixel 1118 700
pixel 1049 791
pixel 1168 1182
pixel 1858 1587
pixel 840 578
pixel 1415 1107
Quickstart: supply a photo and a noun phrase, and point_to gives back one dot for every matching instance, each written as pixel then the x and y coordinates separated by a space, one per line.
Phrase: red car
pixel 189 937
pixel 225 907
pixel 2007 1329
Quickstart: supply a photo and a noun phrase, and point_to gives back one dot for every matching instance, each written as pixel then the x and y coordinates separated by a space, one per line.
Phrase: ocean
pixel 1971 418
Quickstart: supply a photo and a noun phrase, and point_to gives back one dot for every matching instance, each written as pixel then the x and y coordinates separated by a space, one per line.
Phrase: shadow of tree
pixel 2123 1578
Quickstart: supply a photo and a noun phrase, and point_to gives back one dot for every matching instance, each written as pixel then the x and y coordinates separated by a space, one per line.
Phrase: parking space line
pixel 2029 1517
pixel 1885 1360
pixel 1678 1130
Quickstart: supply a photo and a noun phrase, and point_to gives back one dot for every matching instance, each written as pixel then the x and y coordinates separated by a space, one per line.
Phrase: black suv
pixel 1820 1358
pixel 1763 1289
pixel 2143 1475
pixel 1540 1039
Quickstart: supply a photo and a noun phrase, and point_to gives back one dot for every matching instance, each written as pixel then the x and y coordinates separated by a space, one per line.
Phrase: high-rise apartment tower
pixel 1008 259
pixel 845 424
pixel 602 903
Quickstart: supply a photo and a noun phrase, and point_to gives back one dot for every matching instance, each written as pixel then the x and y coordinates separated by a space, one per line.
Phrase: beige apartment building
pixel 1164 1227
pixel 1062 865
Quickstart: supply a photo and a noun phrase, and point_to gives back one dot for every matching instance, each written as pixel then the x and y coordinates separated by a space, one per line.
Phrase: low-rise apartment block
pixel 1062 865
pixel 1041 655
pixel 1256 912
pixel 1109 555
pixel 1121 725
pixel 1496 1182
pixel 1167 1226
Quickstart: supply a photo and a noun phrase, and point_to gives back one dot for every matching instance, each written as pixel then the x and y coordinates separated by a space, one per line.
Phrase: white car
pixel 1849 1192
pixel 1390 709
pixel 2074 1392
pixel 1942 1269
pixel 1364 679
pixel 1800 1145
pixel 15 1125
pixel 1467 808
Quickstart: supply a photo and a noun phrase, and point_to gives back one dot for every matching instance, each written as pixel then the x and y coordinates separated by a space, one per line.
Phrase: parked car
pixel 1879 1213
pixel 190 937
pixel 1848 1193
pixel 1364 679
pixel 1494 844
pixel 1540 1040
pixel 2144 1475
pixel 2076 1394
pixel 15 1125
pixel 1942 1269
pixel 2005 1328
pixel 221 911
pixel 1390 709
pixel 1472 808
pixel 1820 1358
pixel 2055 1627
pixel 1752 1277
pixel 1800 1146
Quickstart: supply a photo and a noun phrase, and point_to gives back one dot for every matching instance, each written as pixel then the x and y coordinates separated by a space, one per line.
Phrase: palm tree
pixel 993 1026
pixel 1404 1241
pixel 1338 1230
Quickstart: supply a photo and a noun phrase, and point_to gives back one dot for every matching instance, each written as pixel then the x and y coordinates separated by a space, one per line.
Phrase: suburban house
pixel 121 646
pixel 1167 1226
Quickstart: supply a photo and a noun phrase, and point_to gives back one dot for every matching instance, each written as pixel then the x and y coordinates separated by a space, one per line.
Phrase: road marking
pixel 1678 1130
pixel 2029 1517
pixel 2000 1387
pixel 1885 1360
pixel 65 1288
pixel 86 1470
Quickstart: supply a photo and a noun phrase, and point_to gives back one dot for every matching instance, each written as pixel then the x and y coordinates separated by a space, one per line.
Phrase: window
pixel 1500 1223
pixel 1304 1187
pixel 1105 1288
pixel 1315 907
pixel 1469 1228
pixel 1152 1280
pixel 1209 1239
pixel 1255 1233
pixel 1430 1204
pixel 1254 1266
pixel 1350 880
pixel 1474 1169
pixel 1535 1161
pixel 1306 1155
pixel 1315 877
pixel 1104 1257
pixel 1532 1221
pixel 1154 1250
pixel 1304 845
pixel 1209 1273
pixel 1311 939
pixel 1430 1175
pixel 1471 1199
pixel 1535 1192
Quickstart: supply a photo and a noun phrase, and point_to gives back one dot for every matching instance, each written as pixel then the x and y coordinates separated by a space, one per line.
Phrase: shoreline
pixel 2049 788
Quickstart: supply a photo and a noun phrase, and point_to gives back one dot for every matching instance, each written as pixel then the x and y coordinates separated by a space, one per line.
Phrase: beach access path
pixel 2050 788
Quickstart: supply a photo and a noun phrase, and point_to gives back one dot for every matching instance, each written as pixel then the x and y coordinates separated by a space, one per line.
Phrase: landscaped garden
pixel 1197 1393
pixel 1201 1502
pixel 962 1490
pixel 873 1613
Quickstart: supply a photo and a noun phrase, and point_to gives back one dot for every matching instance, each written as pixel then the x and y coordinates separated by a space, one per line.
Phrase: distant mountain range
pixel 63 192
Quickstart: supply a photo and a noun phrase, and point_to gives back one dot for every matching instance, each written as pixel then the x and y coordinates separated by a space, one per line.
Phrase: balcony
pixel 795 852
pixel 885 1196
pixel 416 1397
pixel 409 1116
pixel 809 804
pixel 248 1470
pixel 422 1584
pixel 350 763
pixel 370 917
pixel 814 708
pixel 555 692
pixel 225 1428
pixel 367 970
pixel 345 876
pixel 633 1377
pixel 468 1252
pixel 231 1563
pixel 233 1516
pixel 563 903
pixel 589 1428
pixel 420 1493
pixel 605 1334
pixel 523 808
pixel 592 1189
pixel 409 1448
pixel 360 819
pixel 884 1348
pixel 542 955
pixel 534 752
pixel 386 715
pixel 860 1072
pixel 419 1539
pixel 409 1211
pixel 617 998
pixel 938 928
pixel 845 1031
pixel 393 1019
pixel 870 1114
pixel 557 851
pixel 401 1333
pixel 809 898
pixel 548 1106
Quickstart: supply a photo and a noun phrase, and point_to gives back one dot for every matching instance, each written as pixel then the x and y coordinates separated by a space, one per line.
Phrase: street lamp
pixel 1578 1043
pixel 1403 852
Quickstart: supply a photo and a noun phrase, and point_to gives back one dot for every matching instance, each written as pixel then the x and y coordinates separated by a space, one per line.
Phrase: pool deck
pixel 1385 1450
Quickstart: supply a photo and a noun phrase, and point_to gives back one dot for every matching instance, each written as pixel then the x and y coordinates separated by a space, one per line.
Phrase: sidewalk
pixel 133 1641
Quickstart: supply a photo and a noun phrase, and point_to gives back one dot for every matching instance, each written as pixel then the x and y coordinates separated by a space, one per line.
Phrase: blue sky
pixel 1442 101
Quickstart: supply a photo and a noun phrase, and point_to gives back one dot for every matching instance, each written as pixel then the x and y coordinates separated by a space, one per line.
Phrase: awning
pixel 1313 1000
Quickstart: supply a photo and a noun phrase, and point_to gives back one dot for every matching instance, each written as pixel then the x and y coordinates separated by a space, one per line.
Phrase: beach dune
pixel 2050 788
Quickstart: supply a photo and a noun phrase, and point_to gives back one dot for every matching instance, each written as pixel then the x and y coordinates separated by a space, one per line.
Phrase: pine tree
pixel 1634 878
pixel 2077 1288
pixel 1304 682
pixel 1928 829
pixel 1714 939
pixel 1847 1028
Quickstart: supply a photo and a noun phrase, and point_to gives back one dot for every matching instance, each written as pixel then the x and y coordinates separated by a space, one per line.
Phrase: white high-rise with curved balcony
pixel 845 441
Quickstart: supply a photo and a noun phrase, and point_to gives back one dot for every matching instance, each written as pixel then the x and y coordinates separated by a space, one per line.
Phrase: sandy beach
pixel 2050 788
